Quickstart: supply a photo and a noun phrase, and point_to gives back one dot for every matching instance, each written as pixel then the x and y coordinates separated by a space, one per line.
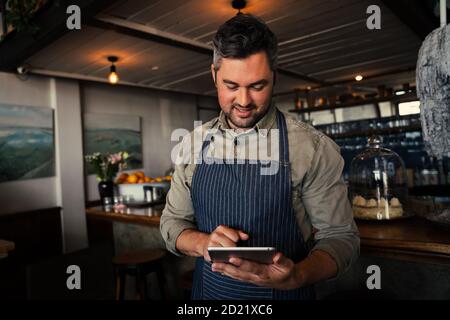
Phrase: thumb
pixel 281 260
pixel 243 235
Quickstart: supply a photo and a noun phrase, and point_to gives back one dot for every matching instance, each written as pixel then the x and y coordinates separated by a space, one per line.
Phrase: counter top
pixel 413 233
pixel 414 238
pixel 148 216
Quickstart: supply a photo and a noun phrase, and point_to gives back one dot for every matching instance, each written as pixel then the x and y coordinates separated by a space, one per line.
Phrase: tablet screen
pixel 257 254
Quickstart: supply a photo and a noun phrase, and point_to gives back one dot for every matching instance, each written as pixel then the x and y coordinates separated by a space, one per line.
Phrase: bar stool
pixel 186 284
pixel 139 264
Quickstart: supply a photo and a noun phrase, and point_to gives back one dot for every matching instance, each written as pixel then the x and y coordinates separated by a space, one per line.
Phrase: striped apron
pixel 236 195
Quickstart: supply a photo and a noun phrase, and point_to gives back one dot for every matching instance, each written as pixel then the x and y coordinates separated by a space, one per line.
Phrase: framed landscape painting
pixel 108 133
pixel 26 142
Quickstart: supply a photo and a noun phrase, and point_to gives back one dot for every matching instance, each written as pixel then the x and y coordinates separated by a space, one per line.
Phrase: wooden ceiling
pixel 167 44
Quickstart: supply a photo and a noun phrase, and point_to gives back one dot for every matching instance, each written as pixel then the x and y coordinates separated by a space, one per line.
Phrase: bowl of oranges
pixel 132 184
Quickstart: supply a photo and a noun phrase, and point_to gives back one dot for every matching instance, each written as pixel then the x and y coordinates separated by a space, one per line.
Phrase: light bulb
pixel 358 77
pixel 113 77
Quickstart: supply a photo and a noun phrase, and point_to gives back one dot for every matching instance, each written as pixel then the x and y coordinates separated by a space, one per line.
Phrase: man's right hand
pixel 222 237
pixel 195 243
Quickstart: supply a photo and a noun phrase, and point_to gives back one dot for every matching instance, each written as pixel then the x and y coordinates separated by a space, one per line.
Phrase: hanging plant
pixel 19 14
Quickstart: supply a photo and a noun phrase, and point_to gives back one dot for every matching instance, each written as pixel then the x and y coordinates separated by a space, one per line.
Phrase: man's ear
pixel 214 74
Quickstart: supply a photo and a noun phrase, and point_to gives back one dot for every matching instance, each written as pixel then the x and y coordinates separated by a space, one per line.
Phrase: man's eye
pixel 258 87
pixel 231 87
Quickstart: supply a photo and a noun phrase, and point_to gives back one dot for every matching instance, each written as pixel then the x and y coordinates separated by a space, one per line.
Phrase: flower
pixel 106 166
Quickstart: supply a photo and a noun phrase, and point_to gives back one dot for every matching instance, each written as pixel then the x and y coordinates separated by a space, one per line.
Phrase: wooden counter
pixel 412 239
pixel 149 216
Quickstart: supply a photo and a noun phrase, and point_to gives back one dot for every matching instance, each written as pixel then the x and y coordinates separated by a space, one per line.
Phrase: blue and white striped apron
pixel 236 195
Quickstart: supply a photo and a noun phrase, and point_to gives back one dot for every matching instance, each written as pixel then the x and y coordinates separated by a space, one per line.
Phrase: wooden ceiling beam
pixel 145 32
pixel 152 34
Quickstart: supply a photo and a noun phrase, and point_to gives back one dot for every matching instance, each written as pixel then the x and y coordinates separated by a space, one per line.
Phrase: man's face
pixel 244 87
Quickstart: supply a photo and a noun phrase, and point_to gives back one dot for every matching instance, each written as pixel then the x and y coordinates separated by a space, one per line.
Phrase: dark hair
pixel 242 36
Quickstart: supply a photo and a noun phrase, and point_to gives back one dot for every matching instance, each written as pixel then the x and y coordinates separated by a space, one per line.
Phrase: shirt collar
pixel 262 126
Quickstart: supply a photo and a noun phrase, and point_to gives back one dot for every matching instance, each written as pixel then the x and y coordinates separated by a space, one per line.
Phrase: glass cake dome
pixel 377 181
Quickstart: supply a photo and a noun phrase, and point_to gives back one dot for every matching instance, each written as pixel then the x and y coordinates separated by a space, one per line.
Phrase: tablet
pixel 257 254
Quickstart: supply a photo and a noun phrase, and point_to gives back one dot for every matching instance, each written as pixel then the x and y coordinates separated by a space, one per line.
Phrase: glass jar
pixel 378 183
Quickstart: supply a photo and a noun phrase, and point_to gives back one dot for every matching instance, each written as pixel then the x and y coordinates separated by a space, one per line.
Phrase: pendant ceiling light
pixel 113 77
pixel 238 5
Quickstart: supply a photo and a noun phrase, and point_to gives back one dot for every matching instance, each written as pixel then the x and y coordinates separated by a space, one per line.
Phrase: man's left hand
pixel 281 274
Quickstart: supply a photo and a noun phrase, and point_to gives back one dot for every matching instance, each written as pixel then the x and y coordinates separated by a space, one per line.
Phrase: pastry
pixel 371 203
pixel 379 210
pixel 395 202
pixel 359 201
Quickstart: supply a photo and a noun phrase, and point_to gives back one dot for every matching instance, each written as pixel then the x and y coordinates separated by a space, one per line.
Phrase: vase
pixel 106 189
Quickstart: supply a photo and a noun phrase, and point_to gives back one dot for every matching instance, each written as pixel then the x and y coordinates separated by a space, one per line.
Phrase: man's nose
pixel 243 97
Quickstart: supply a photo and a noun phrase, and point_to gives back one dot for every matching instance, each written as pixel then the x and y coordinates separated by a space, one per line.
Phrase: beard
pixel 245 117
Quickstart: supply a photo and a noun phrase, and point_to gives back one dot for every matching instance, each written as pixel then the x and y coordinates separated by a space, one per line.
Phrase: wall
pixel 24 195
pixel 161 113
pixel 65 189
pixel 65 99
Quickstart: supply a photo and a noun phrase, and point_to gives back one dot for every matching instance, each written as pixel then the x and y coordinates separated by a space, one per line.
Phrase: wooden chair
pixel 139 264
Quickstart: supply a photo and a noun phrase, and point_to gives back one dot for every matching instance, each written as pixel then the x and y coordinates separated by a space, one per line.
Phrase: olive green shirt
pixel 319 193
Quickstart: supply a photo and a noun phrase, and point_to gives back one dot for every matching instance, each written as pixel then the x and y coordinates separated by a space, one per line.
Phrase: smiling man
pixel 302 208
pixel 245 89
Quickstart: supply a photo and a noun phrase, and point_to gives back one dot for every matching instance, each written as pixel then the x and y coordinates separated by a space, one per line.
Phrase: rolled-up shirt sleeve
pixel 178 214
pixel 324 195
